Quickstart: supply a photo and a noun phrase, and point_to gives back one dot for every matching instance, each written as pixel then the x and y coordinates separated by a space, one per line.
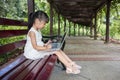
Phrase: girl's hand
pixel 49 46
pixel 49 41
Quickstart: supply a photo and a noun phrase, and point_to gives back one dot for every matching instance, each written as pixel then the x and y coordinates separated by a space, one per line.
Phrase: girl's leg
pixel 69 60
pixel 66 57
pixel 62 59
pixel 69 68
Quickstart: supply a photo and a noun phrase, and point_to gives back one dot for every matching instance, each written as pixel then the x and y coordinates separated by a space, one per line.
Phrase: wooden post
pixel 91 30
pixel 78 30
pixel 86 30
pixel 74 29
pixel 95 27
pixel 58 24
pixel 31 7
pixel 51 19
pixel 64 24
pixel 107 21
pixel 83 31
pixel 69 28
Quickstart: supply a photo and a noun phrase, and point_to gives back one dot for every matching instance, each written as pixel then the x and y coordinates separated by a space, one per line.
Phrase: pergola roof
pixel 78 11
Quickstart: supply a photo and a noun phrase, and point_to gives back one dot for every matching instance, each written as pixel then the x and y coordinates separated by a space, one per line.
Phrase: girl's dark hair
pixel 41 15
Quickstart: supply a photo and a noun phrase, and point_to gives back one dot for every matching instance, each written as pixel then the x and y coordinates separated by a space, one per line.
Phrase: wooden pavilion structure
pixel 83 12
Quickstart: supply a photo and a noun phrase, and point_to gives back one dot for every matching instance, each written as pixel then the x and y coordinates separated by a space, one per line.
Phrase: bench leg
pixel 63 66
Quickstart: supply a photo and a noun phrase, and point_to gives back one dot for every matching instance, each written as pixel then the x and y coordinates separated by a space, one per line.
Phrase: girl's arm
pixel 34 43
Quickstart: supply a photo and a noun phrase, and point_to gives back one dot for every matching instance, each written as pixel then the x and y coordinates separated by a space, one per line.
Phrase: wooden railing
pixel 9 47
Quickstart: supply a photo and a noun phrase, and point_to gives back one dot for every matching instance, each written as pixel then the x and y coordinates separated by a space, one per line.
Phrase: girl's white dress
pixel 30 52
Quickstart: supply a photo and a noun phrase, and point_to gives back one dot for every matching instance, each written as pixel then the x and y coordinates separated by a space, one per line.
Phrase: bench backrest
pixel 5 34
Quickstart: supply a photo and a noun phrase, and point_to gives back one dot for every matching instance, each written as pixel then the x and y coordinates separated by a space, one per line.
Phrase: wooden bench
pixel 21 68
pixel 24 69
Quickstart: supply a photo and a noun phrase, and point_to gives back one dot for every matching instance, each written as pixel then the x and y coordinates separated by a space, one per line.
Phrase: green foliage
pixel 13 9
pixel 114 20
pixel 3 27
pixel 4 41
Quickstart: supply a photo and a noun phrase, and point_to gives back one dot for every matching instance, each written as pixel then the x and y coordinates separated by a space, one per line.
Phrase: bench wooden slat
pixel 4 21
pixel 11 33
pixel 27 70
pixel 32 75
pixel 12 65
pixel 17 70
pixel 9 47
pixel 24 69
pixel 45 73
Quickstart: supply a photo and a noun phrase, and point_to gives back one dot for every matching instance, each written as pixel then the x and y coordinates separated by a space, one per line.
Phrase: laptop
pixel 58 45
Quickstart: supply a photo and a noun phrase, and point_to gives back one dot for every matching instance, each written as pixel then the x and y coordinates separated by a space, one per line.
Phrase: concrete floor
pixel 99 61
pixel 91 70
pixel 85 48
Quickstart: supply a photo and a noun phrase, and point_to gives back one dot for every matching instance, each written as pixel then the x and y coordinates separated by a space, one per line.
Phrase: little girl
pixel 36 49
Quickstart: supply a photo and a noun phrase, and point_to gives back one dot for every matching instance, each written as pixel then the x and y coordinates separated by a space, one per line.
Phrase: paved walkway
pixel 85 48
pixel 92 70
pixel 99 61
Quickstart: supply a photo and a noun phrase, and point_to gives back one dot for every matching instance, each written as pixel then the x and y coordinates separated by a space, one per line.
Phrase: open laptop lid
pixel 63 38
pixel 62 41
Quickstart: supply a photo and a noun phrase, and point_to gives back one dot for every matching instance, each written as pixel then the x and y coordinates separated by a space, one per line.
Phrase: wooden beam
pixel 11 33
pixel 51 19
pixel 76 12
pixel 80 4
pixel 100 6
pixel 82 23
pixel 80 16
pixel 76 16
pixel 79 9
pixel 86 23
pixel 12 46
pixel 10 22
pixel 65 1
pixel 107 21
pixel 80 19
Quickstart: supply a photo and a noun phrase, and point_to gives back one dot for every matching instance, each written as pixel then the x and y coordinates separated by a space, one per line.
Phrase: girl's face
pixel 39 24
